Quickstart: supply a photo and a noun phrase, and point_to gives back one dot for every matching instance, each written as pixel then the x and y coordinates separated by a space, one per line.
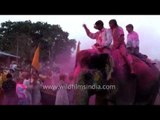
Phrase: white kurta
pixel 26 82
pixel 62 95
pixel 36 94
pixel 103 37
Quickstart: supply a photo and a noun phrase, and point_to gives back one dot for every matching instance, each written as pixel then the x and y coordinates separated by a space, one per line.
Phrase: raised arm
pixel 91 35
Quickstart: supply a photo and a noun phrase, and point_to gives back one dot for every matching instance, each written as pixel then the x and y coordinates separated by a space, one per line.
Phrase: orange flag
pixel 35 61
pixel 77 51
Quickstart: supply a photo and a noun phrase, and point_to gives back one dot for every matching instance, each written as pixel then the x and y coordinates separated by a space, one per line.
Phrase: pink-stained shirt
pixel 133 40
pixel 103 37
pixel 117 33
pixel 21 91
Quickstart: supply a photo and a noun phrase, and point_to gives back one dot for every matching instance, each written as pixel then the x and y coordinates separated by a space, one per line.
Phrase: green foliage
pixel 22 38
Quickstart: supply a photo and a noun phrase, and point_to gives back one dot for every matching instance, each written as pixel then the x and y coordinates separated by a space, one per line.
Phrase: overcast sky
pixel 147 26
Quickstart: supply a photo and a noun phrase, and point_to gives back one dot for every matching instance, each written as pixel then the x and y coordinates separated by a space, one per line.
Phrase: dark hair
pixel 1 68
pixel 62 76
pixel 99 23
pixel 129 25
pixel 113 21
pixel 11 71
pixel 8 86
pixel 9 76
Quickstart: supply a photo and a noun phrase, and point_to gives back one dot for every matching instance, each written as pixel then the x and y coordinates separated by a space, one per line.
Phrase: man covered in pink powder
pixel 133 44
pixel 119 44
pixel 103 36
pixel 132 40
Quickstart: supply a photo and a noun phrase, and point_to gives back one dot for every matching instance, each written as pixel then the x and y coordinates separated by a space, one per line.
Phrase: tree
pixel 21 38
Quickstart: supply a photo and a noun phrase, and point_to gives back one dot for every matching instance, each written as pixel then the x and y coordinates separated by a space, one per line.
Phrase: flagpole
pixel 35 65
pixel 78 49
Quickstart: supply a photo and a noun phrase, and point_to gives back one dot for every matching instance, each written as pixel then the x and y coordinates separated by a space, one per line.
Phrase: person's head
pixel 13 62
pixel 9 76
pixel 62 77
pixel 11 71
pixel 25 75
pixel 9 87
pixel 70 77
pixel 113 23
pixel 1 70
pixel 35 76
pixel 98 25
pixel 129 28
pixel 19 80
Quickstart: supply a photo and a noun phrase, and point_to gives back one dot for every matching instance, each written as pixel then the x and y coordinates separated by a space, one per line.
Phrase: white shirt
pixel 29 88
pixel 21 91
pixel 103 37
pixel 36 93
pixel 13 66
pixel 62 94
pixel 132 39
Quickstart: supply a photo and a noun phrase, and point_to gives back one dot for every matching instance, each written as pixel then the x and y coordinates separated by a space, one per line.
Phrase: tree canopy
pixel 21 38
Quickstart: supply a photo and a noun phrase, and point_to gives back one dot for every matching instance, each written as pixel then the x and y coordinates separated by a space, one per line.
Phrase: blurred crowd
pixel 24 86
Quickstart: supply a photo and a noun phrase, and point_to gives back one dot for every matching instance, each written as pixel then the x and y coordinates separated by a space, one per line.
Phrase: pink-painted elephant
pixel 140 89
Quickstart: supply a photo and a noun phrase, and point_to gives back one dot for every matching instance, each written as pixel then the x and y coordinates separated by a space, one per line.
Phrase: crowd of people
pixel 24 87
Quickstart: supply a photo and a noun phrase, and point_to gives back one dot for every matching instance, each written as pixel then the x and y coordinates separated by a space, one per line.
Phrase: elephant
pixel 140 89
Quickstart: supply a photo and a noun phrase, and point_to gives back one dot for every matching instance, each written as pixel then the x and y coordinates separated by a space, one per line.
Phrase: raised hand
pixel 84 25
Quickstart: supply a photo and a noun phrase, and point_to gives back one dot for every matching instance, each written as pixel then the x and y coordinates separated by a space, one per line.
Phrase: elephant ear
pixel 97 76
pixel 109 68
pixel 81 93
pixel 98 61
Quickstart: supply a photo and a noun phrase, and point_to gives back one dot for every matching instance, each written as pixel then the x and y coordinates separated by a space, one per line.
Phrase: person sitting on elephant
pixel 132 40
pixel 133 44
pixel 103 36
pixel 119 44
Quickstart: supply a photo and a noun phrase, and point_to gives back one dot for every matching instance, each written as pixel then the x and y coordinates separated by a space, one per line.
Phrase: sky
pixel 147 26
